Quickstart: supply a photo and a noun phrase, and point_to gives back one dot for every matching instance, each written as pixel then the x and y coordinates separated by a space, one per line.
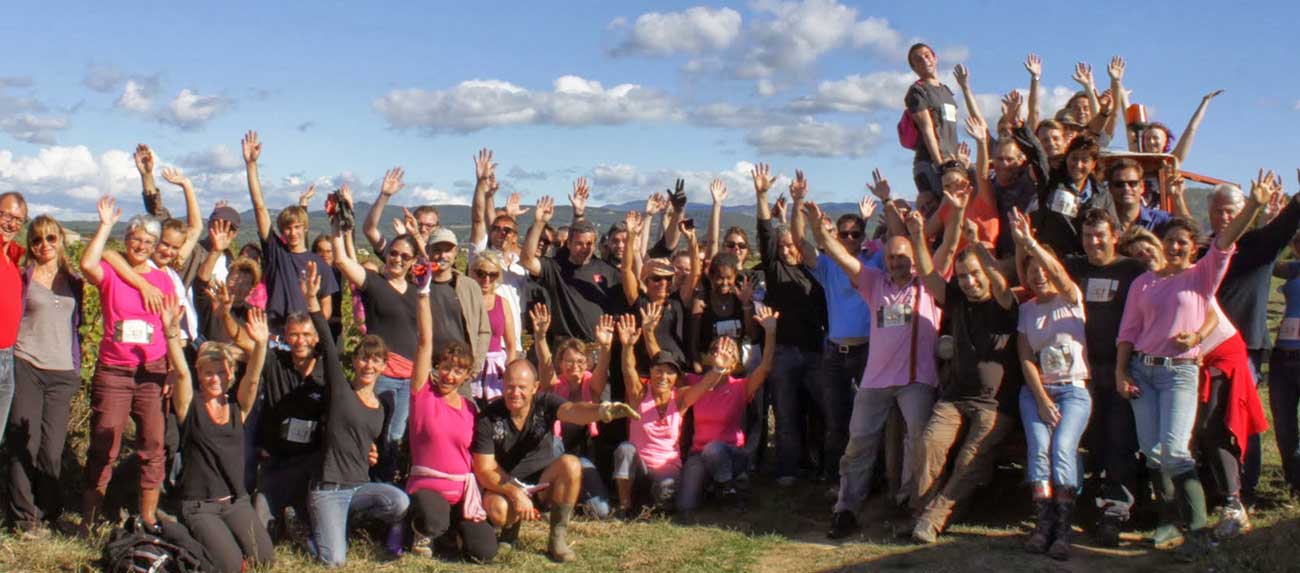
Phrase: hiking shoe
pixel 843 524
pixel 924 533
pixel 1233 521
pixel 421 545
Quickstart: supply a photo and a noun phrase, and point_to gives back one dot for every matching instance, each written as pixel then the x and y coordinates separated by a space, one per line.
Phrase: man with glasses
pixel 13 215
pixel 457 303
pixel 1124 178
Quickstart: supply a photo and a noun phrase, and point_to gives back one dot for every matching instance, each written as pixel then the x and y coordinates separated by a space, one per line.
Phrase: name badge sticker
pixel 133 331
pixel 1065 203
pixel 1101 290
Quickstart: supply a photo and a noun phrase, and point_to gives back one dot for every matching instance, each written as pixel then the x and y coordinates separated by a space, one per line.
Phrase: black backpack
pixel 134 548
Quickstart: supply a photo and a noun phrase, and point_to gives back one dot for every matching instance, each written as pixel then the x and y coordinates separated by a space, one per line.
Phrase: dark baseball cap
pixel 668 359
pixel 225 213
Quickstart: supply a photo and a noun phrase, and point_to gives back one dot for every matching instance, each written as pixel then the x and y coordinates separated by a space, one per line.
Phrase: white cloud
pixel 622 183
pixel 813 138
pixel 102 78
pixel 692 31
pixel 729 115
pixel 32 128
pixel 55 174
pixel 1052 100
pixel 137 96
pixel 213 159
pixel 190 110
pixel 798 33
pixel 429 195
pixel 857 93
pixel 479 104
pixel 877 35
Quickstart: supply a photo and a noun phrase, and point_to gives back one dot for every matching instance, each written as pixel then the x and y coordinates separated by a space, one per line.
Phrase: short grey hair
pixel 144 223
pixel 1227 193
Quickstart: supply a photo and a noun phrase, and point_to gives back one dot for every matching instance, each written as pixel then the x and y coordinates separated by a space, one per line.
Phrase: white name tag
pixel 895 315
pixel 949 112
pixel 1065 203
pixel 1101 290
pixel 133 331
pixel 1290 329
pixel 1055 360
pixel 297 431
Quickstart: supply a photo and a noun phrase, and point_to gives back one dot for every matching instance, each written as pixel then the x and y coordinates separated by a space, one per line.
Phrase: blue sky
pixel 632 95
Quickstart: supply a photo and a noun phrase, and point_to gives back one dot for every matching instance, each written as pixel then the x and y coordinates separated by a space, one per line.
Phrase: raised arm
pixel 676 213
pixel 1185 142
pixel 260 335
pixel 605 340
pixel 763 180
pixel 767 319
pixel 541 317
pixel 220 235
pixel 370 227
pixel 979 131
pixel 997 283
pixel 1034 65
pixel 631 282
pixel 182 386
pixel 1261 190
pixel 479 216
pixel 718 190
pixel 193 218
pixel 252 148
pixel 931 278
pixel 842 257
pixel 962 75
pixel 628 333
pixel 1023 234
pixel 153 204
pixel 528 258
pixel 798 223
pixel 686 291
pixel 879 187
pixel 91 257
pixel 1083 75
pixel 578 199
pixel 343 261
pixel 651 314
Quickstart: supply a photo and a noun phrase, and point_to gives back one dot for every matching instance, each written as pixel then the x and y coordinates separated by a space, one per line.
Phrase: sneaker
pixel 843 524
pixel 1233 521
pixel 421 545
pixel 1167 536
pixel 924 533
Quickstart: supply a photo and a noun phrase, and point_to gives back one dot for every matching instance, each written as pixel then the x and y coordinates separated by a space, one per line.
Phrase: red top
pixel 1244 415
pixel 11 284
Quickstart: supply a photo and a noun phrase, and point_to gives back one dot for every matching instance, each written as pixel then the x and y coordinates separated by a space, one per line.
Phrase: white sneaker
pixel 1233 521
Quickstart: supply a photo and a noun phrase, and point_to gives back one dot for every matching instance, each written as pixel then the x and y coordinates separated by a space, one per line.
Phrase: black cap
pixel 225 213
pixel 667 358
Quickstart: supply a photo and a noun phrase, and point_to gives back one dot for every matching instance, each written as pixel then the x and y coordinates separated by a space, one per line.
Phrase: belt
pixel 329 486
pixel 847 345
pixel 1151 360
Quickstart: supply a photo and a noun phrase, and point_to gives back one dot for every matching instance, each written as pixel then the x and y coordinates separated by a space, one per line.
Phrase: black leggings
pixel 35 435
pixel 229 530
pixel 433 517
pixel 1217 448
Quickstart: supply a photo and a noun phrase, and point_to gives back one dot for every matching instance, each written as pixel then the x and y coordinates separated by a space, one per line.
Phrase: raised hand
pixel 915 223
pixel 413 226
pixel 221 235
pixel 1275 205
pixel 304 199
pixel 958 198
pixel 399 225
pixel 1263 187
pixel 310 282
pixel 252 147
pixel 143 159
pixel 1034 65
pixel 762 178
pixel 656 204
pixel 109 213
pixel 578 198
pixel 963 153
pixel 541 317
pixel 256 326
pixel 605 331
pixel 879 185
pixel 798 187
pixel 812 212
pixel 718 190
pixel 345 194
pixel 633 220
pixel 970 231
pixel 766 317
pixel 651 314
pixel 778 208
pixel 1021 232
pixel 687 228
pixel 492 185
pixel 545 210
pixel 1211 95
pixel 745 287
pixel 513 209
pixel 866 207
pixel 962 74
pixel 392 182
pixel 976 128
pixel 172 311
pixel 627 330
pixel 1083 75
pixel 678 196
pixel 175 177
pixel 222 299
pixel 725 355
pixel 1011 104
pixel 484 168
pixel 1116 68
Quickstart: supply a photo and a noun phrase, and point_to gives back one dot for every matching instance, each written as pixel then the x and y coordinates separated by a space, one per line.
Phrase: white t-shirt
pixel 1055 331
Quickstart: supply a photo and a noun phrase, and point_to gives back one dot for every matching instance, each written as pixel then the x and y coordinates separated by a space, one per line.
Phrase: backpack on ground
pixel 133 548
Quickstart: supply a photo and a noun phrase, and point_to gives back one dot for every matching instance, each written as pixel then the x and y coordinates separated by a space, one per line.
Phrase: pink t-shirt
pixel 439 437
pixel 122 305
pixel 561 388
pixel 889 358
pixel 719 413
pixel 1157 308
pixel 655 436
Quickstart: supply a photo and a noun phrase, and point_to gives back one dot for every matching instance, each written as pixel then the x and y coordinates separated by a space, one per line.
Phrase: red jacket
pixel 1244 415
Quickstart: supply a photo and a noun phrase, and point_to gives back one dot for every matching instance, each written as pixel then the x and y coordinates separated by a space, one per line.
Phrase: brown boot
pixel 1060 548
pixel 557 546
pixel 1045 520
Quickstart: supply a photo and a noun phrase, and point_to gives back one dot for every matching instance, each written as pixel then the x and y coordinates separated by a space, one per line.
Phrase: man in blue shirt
pixel 1127 188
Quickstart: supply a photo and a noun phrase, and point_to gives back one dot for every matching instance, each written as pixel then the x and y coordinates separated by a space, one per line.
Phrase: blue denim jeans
pixel 1054 451
pixel 718 462
pixel 840 374
pixel 1165 414
pixel 332 509
pixel 6 387
pixel 399 391
pixel 793 380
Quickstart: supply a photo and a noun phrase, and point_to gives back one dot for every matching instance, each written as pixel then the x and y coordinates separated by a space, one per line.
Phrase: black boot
pixel 1045 518
pixel 1060 548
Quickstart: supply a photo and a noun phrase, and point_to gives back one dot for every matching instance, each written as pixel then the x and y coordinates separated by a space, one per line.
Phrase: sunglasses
pixel 38 240
pixel 660 279
pixel 850 234
pixel 480 273
pixel 1126 183
pixel 504 230
pixel 735 245
pixel 404 257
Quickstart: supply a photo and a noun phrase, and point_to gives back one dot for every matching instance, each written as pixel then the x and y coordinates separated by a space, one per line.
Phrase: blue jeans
pixel 793 379
pixel 718 462
pixel 331 509
pixel 1165 414
pixel 1054 451
pixel 6 387
pixel 399 391
pixel 841 374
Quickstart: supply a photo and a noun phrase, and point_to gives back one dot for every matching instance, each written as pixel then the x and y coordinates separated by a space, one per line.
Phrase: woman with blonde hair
pixel 486 270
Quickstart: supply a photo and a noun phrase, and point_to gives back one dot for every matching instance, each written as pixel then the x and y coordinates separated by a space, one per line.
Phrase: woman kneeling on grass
pixel 442 486
pixel 717 452
pixel 214 504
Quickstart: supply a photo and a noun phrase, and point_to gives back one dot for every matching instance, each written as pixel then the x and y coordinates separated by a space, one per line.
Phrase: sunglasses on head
pixel 480 273
pixel 38 240
pixel 736 245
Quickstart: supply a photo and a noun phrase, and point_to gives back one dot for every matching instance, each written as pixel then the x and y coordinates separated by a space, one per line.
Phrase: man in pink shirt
pixel 900 365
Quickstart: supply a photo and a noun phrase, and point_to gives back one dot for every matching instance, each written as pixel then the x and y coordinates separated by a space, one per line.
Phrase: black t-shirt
pixel 1244 292
pixel 448 319
pixel 282 272
pixel 521 452
pixel 214 454
pixel 981 332
pixel 1105 289
pixel 670 333
pixel 580 294
pixel 292 422
pixel 943 112
pixel 1020 194
pixel 1058 220
pixel 714 323
pixel 792 291
pixel 390 315
pixel 351 427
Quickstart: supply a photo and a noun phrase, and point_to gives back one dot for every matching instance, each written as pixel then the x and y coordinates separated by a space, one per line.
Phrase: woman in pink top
pixel 132 364
pixel 441 483
pixel 717 452
pixel 651 458
pixel 1158 350
pixel 486 271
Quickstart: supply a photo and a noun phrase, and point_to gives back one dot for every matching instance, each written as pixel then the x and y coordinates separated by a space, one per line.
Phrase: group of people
pixel 566 369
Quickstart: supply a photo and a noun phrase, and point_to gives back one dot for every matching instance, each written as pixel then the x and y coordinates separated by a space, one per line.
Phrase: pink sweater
pixel 1157 307
pixel 655 436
